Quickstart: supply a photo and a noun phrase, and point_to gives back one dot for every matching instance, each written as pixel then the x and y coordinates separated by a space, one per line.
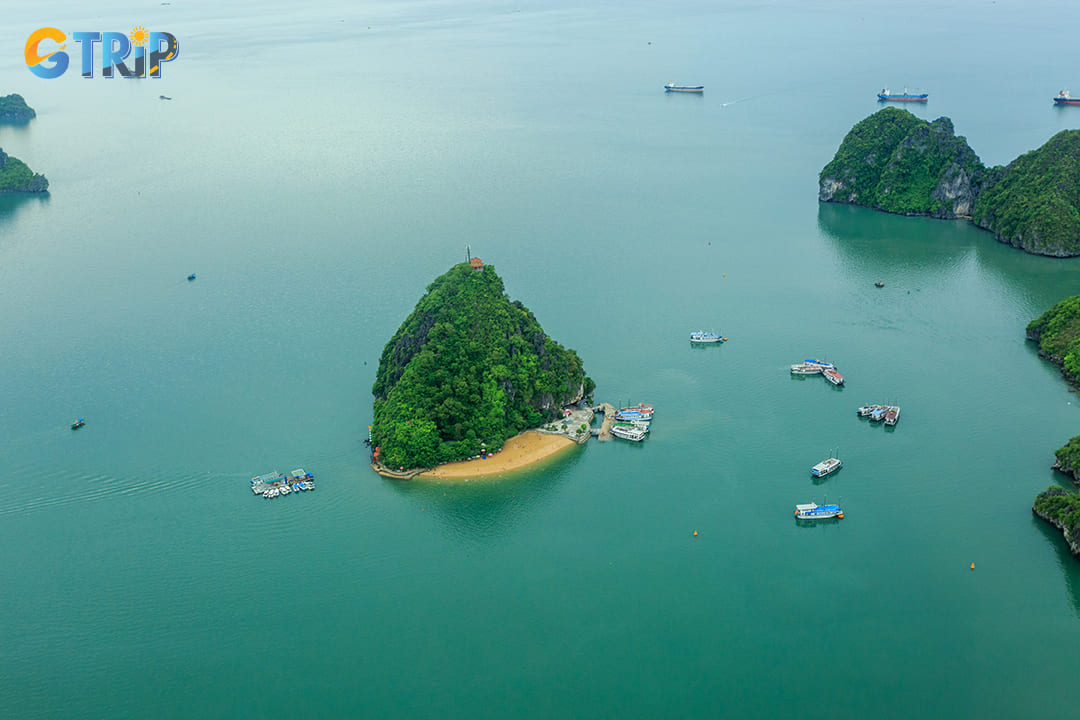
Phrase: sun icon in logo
pixel 138 35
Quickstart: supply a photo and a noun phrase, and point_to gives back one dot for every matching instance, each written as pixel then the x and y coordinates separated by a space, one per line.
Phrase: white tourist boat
pixel 628 433
pixel 826 466
pixel 805 369
pixel 701 336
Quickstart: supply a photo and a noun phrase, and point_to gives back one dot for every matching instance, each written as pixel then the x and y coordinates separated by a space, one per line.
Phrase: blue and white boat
pixel 905 96
pixel 701 336
pixel 813 511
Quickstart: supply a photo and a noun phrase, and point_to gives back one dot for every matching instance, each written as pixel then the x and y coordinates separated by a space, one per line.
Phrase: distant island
pixel 15 176
pixel 896 162
pixel 468 369
pixel 13 107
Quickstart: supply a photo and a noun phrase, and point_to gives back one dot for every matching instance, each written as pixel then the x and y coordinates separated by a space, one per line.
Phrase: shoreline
pixel 518 453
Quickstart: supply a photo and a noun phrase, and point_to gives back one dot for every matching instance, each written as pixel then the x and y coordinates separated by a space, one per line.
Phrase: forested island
pixel 1057 332
pixel 896 162
pixel 13 107
pixel 15 176
pixel 468 369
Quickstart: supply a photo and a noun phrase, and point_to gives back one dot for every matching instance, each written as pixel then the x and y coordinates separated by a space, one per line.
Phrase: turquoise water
pixel 318 167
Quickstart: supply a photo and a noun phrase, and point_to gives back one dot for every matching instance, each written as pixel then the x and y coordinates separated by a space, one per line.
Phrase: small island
pixel 896 162
pixel 466 371
pixel 14 108
pixel 15 176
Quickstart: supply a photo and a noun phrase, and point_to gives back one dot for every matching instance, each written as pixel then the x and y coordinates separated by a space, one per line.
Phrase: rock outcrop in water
pixel 1061 508
pixel 14 108
pixel 1057 332
pixel 15 176
pixel 467 370
pixel 896 162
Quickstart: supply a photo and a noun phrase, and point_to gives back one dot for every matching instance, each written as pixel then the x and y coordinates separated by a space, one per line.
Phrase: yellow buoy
pixel 972 566
pixel 695 533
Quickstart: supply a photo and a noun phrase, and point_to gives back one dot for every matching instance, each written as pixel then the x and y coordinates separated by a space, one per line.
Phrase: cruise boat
pixel 892 414
pixel 805 369
pixel 865 410
pixel 833 376
pixel 640 407
pixel 672 87
pixel 700 336
pixel 820 363
pixel 628 433
pixel 78 424
pixel 813 511
pixel 905 96
pixel 639 424
pixel 878 413
pixel 1064 98
pixel 826 467
pixel 632 415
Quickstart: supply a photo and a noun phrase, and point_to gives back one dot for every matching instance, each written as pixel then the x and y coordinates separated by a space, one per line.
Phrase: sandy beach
pixel 519 451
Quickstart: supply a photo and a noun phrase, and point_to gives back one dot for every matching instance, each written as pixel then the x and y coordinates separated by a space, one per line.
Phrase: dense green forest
pixel 13 107
pixel 899 163
pixel 467 370
pixel 1057 331
pixel 1035 204
pixel 15 176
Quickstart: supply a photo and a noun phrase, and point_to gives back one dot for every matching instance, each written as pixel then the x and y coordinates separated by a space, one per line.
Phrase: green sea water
pixel 319 165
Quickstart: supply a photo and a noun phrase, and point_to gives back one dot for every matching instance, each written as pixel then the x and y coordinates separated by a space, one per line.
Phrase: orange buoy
pixel 695 533
pixel 972 566
pixel 841 515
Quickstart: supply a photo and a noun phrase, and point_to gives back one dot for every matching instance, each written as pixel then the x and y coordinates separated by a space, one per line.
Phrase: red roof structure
pixel 476 264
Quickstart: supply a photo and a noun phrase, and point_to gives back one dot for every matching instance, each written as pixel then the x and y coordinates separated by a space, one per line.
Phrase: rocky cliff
pixel 1061 509
pixel 14 108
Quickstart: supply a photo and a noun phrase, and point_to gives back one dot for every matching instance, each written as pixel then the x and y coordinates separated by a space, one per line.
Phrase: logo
pixel 46 58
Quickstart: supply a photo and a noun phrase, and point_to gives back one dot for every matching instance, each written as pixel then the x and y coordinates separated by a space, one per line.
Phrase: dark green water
pixel 317 167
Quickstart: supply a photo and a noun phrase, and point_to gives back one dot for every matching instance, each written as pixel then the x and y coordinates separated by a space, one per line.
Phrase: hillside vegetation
pixel 467 370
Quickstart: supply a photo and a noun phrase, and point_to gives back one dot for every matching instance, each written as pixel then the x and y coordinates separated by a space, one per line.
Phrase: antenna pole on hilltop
pixel 468 254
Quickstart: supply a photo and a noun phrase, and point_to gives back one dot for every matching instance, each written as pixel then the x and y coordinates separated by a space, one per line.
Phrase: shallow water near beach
pixel 318 167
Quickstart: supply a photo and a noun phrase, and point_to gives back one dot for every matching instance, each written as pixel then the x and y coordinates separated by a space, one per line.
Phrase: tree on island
pixel 468 369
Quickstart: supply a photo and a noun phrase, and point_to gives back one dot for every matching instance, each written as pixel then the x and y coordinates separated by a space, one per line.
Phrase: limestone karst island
pixel 466 371
pixel 14 109
pixel 899 163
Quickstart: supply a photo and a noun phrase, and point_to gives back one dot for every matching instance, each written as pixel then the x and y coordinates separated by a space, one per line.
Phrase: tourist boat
pixel 301 474
pixel 892 414
pixel 639 424
pixel 813 511
pixel 672 87
pixel 902 97
pixel 879 284
pixel 805 369
pixel 632 415
pixel 865 410
pixel 628 433
pixel 640 407
pixel 826 467
pixel 833 376
pixel 1064 98
pixel 78 424
pixel 878 413
pixel 820 363
pixel 700 336
pixel 191 277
